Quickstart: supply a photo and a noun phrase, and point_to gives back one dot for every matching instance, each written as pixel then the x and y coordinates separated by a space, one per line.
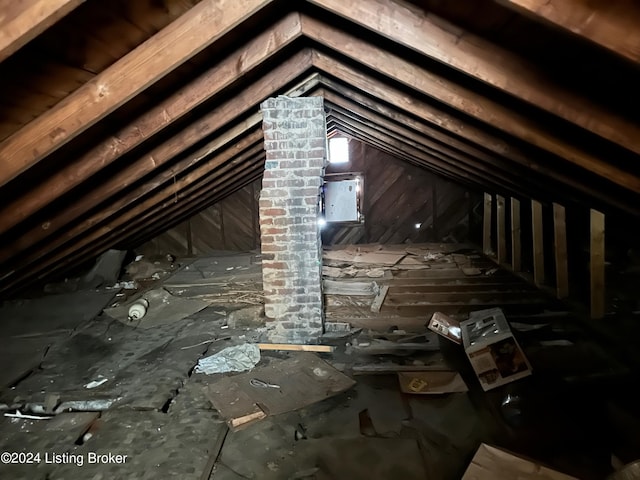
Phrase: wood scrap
pixel 335 287
pixel 296 348
pixel 379 299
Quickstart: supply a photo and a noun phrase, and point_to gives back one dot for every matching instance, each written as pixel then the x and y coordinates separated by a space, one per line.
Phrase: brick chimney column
pixel 295 139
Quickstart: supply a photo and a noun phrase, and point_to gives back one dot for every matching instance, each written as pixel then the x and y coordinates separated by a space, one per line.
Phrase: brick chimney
pixel 295 138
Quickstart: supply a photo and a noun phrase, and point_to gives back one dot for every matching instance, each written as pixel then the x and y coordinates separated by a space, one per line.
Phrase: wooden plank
pixel 148 124
pixel 296 348
pixel 538 242
pixel 457 97
pixel 22 21
pixel 560 243
pixel 598 22
pixel 597 249
pixel 487 62
pixel 486 225
pixel 379 300
pixel 336 287
pixel 516 245
pixel 501 228
pixel 169 48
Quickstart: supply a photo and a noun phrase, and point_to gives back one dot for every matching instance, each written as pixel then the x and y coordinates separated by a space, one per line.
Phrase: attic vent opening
pixel 338 150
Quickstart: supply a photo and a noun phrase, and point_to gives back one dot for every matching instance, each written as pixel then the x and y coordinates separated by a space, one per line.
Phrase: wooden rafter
pixel 178 42
pixel 161 156
pixel 119 213
pixel 462 99
pixel 612 24
pixel 214 80
pixel 490 63
pixel 22 21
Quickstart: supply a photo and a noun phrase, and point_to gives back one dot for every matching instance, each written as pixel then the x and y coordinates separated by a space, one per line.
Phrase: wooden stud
pixel 172 46
pixel 560 244
pixel 376 305
pixel 486 225
pixel 434 210
pixel 538 242
pixel 501 229
pixel 488 62
pixel 597 255
pixel 598 22
pixel 516 241
pixel 22 21
pixel 189 238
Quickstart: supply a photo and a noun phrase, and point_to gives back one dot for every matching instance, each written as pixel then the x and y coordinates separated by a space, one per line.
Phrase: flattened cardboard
pixel 491 463
pixel 431 382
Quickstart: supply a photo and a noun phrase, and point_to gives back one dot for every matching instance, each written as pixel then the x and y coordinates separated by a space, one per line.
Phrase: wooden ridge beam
pixel 612 24
pixel 22 21
pixel 198 28
pixel 161 155
pixel 490 63
pixel 458 97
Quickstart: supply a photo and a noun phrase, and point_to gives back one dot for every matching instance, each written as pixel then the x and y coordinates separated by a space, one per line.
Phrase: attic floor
pixel 573 413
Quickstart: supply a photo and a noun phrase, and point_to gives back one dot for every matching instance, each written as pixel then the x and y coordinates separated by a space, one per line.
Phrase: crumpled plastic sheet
pixel 231 359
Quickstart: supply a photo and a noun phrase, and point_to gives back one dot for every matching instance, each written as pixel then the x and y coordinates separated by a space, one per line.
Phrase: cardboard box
pixel 445 326
pixel 491 463
pixel 494 353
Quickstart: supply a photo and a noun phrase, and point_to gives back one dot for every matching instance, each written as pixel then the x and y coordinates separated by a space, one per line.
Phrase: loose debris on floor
pixel 434 364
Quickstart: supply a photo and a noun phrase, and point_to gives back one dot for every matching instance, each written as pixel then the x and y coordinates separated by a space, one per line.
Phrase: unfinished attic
pixel 321 239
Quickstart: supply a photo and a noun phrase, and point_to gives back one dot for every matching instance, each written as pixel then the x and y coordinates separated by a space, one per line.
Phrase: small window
pixel 338 150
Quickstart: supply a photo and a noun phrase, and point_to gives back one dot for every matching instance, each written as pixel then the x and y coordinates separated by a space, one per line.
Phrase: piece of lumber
pixel 486 62
pixel 379 299
pixel 560 250
pixel 486 224
pixel 538 242
pixel 336 287
pixel 296 348
pixel 501 229
pixel 198 28
pixel 245 420
pixel 516 245
pixel 167 111
pixel 386 368
pixel 597 271
pixel 599 22
pixel 22 21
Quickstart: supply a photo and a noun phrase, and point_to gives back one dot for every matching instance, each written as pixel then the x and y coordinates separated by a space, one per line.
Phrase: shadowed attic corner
pixel 192 288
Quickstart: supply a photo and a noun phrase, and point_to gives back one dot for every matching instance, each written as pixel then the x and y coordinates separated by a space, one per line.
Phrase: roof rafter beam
pixel 162 155
pixel 198 28
pixel 460 98
pixel 468 132
pixel 612 24
pixel 169 110
pixel 24 20
pixel 486 62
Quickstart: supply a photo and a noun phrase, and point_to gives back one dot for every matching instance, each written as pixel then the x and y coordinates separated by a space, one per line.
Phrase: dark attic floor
pixel 88 393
